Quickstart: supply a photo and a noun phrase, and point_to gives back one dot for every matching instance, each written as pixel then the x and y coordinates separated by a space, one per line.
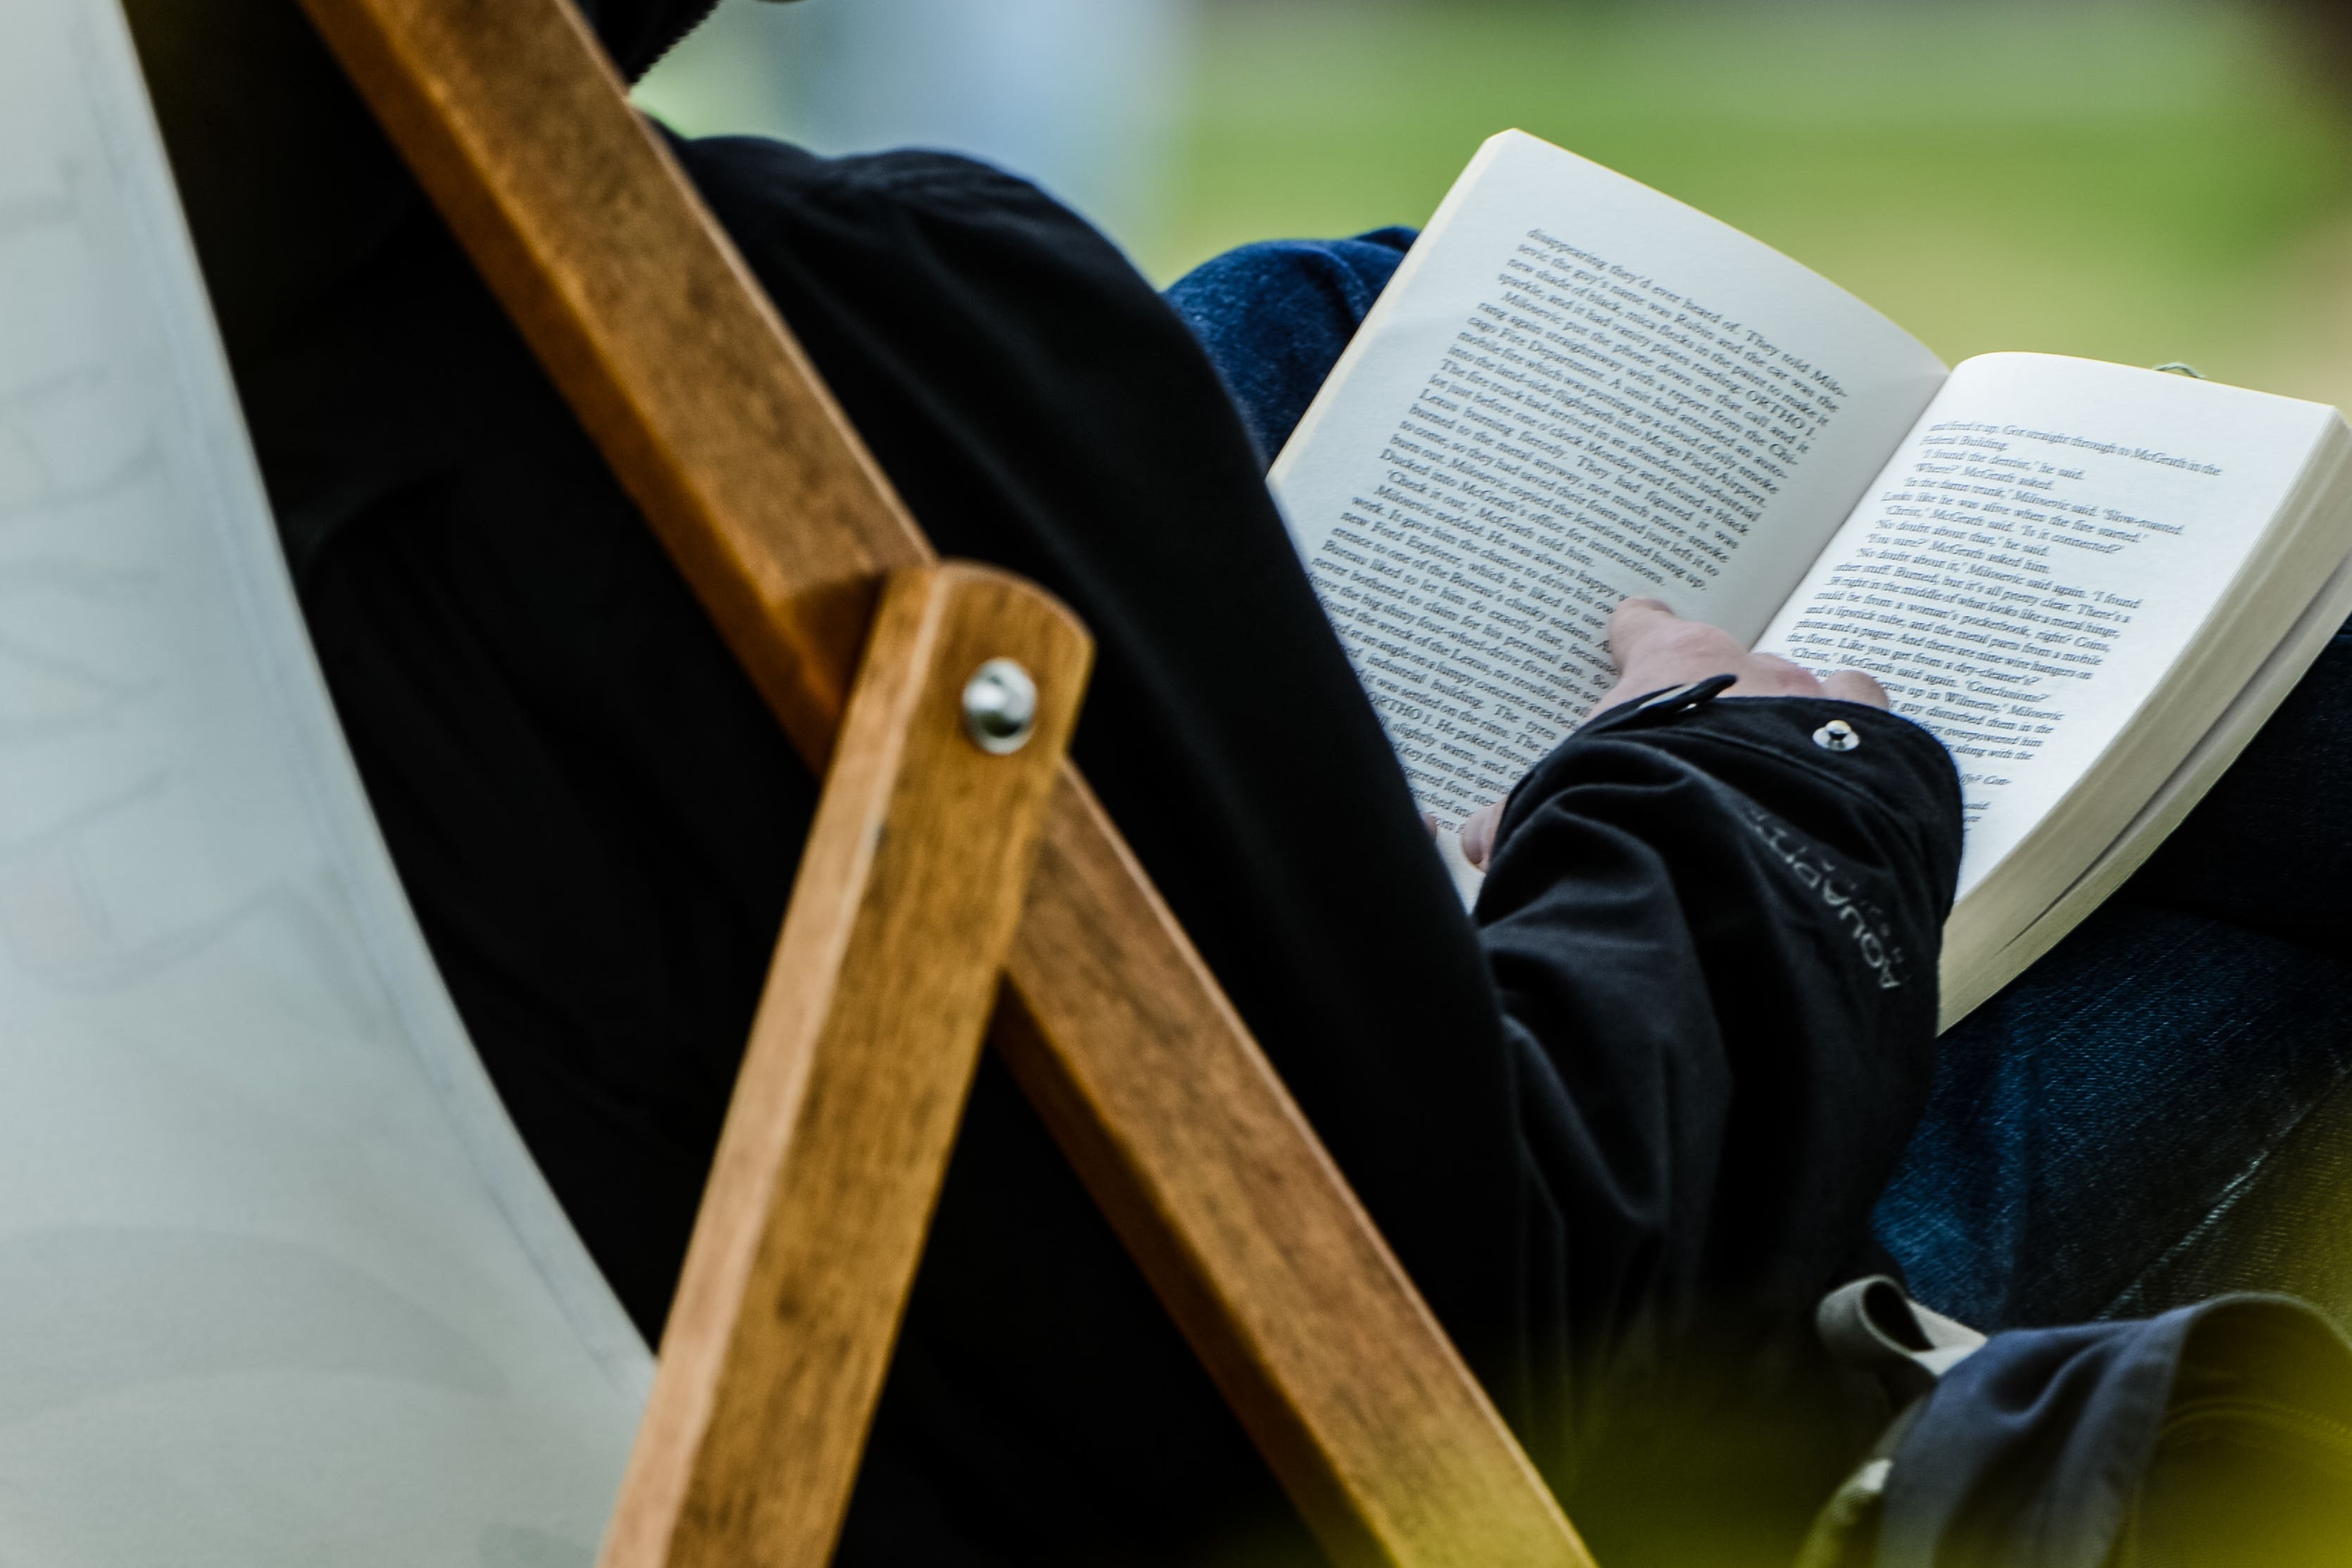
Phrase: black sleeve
pixel 1715 942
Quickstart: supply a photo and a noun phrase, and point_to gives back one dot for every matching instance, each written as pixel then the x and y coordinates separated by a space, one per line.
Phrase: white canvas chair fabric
pixel 278 1283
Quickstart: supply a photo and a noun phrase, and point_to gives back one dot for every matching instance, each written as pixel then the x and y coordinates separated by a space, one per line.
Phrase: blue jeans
pixel 2161 1108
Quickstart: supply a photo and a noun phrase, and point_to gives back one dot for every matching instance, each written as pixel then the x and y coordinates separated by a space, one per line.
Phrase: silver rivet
pixel 1836 735
pixel 1000 707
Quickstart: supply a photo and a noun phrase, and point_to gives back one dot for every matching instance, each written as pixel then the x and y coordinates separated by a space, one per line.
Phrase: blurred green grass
pixel 2128 181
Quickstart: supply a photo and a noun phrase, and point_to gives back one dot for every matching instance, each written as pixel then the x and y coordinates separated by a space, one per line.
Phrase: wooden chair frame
pixel 891 958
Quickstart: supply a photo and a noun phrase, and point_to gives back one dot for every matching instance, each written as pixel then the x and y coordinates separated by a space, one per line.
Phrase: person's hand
pixel 1656 650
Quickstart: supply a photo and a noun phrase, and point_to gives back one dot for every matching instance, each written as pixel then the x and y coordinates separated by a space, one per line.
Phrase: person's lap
pixel 2141 1114
pixel 2150 1114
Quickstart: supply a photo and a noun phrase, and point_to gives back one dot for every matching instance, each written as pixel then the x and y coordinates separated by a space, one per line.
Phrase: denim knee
pixel 1275 317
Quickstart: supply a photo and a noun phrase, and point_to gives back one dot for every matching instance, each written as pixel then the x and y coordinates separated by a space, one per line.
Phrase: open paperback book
pixel 2092 582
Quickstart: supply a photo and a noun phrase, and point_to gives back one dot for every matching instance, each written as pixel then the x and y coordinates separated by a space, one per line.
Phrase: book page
pixel 2036 559
pixel 1968 986
pixel 280 1285
pixel 1575 390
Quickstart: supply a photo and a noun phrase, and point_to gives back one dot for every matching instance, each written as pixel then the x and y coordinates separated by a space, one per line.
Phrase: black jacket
pixel 1623 1130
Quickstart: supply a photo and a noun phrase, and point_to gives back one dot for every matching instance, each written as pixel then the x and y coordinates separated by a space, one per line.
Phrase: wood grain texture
pixel 852 1087
pixel 1247 1230
pixel 709 414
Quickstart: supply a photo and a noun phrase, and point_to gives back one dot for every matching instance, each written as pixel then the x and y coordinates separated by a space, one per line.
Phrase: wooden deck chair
pixel 636 302
pixel 279 1283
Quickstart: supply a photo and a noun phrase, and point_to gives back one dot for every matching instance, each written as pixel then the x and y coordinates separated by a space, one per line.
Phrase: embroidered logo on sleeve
pixel 1863 921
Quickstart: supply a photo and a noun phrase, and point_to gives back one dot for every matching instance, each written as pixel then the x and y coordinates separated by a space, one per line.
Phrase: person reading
pixel 1623 1128
pixel 2198 1122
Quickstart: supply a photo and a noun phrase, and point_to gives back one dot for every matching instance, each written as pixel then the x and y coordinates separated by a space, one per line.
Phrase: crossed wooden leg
pixel 852 1084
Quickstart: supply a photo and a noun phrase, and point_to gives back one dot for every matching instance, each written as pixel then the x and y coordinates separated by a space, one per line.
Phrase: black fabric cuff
pixel 1774 748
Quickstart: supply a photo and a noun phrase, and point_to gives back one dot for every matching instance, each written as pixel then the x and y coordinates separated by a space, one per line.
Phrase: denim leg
pixel 2157 1111
pixel 2087 1122
pixel 2284 1224
pixel 1275 317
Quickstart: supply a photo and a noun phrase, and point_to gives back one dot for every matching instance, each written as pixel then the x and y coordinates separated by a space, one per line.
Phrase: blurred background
pixel 2133 180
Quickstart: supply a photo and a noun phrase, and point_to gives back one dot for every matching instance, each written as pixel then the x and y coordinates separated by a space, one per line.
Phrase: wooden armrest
pixel 711 415
pixel 852 1087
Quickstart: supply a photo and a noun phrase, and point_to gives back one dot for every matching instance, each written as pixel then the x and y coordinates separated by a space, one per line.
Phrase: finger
pixel 1854 687
pixel 1634 621
pixel 1651 643
pixel 1770 675
pixel 1478 835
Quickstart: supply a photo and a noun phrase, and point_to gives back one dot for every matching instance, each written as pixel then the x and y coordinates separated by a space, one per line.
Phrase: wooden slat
pixel 851 1089
pixel 1247 1230
pixel 707 411
pixel 645 316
